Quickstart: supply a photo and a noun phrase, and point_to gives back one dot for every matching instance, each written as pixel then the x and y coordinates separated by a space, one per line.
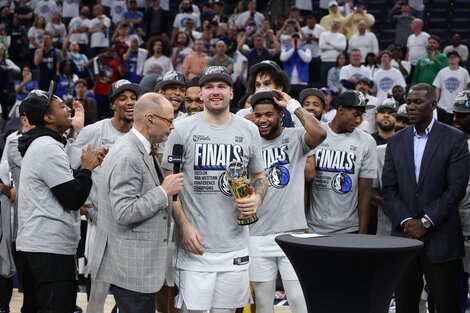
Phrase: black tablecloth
pixel 349 273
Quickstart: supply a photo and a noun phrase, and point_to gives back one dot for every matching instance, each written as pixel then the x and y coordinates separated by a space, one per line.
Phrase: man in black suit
pixel 425 174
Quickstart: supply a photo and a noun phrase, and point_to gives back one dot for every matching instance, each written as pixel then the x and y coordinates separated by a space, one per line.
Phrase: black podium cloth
pixel 349 273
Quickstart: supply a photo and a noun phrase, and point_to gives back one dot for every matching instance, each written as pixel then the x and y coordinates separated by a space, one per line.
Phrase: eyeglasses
pixel 170 122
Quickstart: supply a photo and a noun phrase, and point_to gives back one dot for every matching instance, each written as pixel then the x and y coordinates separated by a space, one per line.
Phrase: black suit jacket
pixel 443 178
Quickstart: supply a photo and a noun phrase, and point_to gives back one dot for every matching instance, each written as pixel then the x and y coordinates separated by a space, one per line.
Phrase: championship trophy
pixel 239 185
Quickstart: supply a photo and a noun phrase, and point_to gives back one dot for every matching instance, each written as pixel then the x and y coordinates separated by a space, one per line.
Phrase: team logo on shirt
pixel 274 160
pixel 224 185
pixel 341 183
pixel 278 176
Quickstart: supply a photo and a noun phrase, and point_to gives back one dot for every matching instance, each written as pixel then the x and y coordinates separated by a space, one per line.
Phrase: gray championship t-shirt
pixel 206 198
pixel 43 224
pixel 100 134
pixel 340 161
pixel 284 161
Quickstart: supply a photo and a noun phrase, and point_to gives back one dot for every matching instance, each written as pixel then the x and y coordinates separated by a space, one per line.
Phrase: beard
pixel 386 127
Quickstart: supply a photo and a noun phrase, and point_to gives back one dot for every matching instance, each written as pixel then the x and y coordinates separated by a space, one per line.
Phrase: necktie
pixel 153 153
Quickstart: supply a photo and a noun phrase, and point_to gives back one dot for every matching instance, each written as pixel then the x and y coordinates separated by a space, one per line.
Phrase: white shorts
pixel 206 290
pixel 265 268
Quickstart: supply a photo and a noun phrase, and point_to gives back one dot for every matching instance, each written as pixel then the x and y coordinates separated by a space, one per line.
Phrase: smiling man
pixel 48 204
pixel 173 87
pixel 122 97
pixel 212 254
pixel 285 152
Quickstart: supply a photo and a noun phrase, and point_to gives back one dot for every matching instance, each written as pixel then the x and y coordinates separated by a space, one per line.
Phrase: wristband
pixel 293 105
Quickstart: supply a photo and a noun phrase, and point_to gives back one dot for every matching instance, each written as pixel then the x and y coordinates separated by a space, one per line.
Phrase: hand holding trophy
pixel 240 188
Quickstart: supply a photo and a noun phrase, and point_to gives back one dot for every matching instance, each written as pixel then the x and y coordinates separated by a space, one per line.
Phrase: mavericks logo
pixel 341 183
pixel 278 176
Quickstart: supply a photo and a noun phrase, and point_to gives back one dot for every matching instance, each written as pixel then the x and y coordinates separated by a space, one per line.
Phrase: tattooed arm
pixel 259 187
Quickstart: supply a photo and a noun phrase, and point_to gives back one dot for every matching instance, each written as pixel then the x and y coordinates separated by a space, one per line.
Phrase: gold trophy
pixel 239 187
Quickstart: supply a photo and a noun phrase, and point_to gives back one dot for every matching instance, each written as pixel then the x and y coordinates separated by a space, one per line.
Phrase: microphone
pixel 176 159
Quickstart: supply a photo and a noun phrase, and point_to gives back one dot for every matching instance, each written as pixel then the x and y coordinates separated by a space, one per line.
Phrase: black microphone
pixel 176 159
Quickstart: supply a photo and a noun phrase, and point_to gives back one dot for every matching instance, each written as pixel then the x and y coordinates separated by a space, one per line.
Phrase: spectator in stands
pixel 251 15
pixel 456 45
pixel 312 32
pixel 57 30
pixel 106 70
pixel 78 28
pixel 399 63
pixel 153 75
pixel 47 59
pixel 70 9
pixel 350 73
pixel 295 63
pixel 99 31
pixel 35 34
pixel 417 8
pixel 118 8
pixel 5 39
pixel 284 35
pixel 364 40
pixel 186 12
pixel 230 39
pixel 387 77
pixel 134 18
pixel 8 70
pixel 121 39
pixel 156 19
pixel 259 52
pixel 79 59
pixel 22 88
pixel 416 43
pixel 190 30
pixel 359 14
pixel 181 48
pixel 196 61
pixel 220 58
pixel 346 8
pixel 429 64
pixel 134 59
pixel 239 77
pixel 66 80
pixel 371 63
pixel 331 44
pixel 403 22
pixel 159 50
pixel 333 74
pixel 89 104
pixel 45 8
pixel 24 12
pixel 239 9
pixel 219 15
pixel 450 81
pixel 334 14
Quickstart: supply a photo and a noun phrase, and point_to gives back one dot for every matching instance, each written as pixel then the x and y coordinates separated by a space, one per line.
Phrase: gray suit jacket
pixel 132 232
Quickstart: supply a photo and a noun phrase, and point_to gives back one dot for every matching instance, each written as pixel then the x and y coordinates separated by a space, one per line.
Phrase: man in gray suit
pixel 133 226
